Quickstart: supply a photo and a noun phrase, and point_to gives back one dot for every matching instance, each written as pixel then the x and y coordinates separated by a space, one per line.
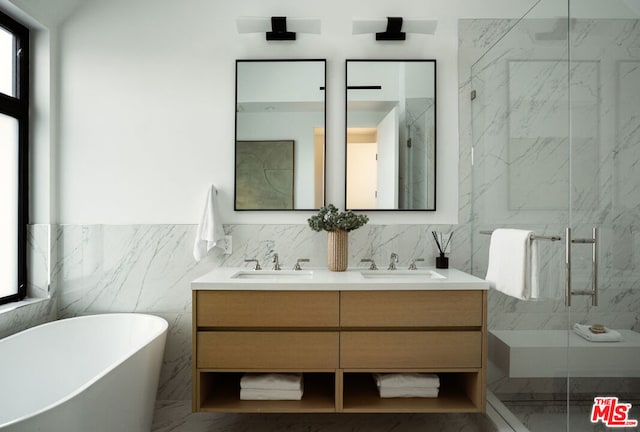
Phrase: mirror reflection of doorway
pixel 362 168
pixel 397 99
pixel 372 165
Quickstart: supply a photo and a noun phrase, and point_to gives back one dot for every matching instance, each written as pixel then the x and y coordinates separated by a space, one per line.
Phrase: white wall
pixel 146 101
pixel 147 98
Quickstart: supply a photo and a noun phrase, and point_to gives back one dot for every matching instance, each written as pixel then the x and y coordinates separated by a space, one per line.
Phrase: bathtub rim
pixel 163 328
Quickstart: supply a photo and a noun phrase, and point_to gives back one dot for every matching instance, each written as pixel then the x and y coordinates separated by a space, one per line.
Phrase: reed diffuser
pixel 442 262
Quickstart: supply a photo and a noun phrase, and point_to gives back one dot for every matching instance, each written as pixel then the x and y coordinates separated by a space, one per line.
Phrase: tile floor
pixel 176 416
pixel 551 417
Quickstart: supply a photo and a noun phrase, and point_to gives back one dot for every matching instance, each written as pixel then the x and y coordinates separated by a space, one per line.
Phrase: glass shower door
pixel 521 178
pixel 555 138
pixel 605 194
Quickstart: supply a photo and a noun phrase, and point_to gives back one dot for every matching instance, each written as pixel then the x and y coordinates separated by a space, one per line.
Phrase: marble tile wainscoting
pixel 42 306
pixel 148 268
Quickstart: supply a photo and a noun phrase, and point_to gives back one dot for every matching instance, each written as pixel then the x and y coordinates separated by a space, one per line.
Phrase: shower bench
pixel 543 354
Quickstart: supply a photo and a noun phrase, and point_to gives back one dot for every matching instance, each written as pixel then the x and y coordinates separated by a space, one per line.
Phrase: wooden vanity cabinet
pixel 441 332
pixel 265 331
pixel 337 339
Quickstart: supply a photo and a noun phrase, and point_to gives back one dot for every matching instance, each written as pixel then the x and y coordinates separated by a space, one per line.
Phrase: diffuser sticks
pixel 442 262
pixel 440 241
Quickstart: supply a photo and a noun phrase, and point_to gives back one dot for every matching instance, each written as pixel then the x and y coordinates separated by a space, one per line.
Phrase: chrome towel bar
pixel 534 237
pixel 569 241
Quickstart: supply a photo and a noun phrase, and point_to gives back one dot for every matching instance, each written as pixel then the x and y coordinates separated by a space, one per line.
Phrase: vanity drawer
pixel 410 349
pixel 267 309
pixel 267 350
pixel 411 308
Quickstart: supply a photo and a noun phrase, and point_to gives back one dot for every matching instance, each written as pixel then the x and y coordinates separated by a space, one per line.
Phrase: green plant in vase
pixel 338 224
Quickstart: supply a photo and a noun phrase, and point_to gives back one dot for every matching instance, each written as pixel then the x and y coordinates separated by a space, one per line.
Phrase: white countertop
pixel 314 279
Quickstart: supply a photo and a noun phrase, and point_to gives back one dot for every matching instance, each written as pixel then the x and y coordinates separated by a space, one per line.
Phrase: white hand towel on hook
pixel 210 232
pixel 513 263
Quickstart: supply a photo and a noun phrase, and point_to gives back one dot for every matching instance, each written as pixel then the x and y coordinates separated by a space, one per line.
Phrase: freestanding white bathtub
pixel 93 373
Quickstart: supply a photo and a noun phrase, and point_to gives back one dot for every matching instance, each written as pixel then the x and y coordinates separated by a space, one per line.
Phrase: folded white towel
pixel 407 392
pixel 210 232
pixel 406 380
pixel 513 263
pixel 262 394
pixel 272 381
pixel 608 336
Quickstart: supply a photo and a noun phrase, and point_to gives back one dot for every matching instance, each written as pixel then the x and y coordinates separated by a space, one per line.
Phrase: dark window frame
pixel 18 108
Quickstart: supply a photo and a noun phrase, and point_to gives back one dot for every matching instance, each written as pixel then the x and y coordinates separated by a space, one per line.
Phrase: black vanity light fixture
pixel 394 28
pixel 278 28
pixel 393 32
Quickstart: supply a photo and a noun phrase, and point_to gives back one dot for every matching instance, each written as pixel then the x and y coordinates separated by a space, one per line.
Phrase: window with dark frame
pixel 14 161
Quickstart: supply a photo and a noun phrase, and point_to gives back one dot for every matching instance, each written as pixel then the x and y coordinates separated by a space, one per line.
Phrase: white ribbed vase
pixel 338 248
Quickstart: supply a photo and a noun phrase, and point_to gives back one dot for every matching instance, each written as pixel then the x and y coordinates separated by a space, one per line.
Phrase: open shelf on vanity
pixel 220 392
pixel 458 393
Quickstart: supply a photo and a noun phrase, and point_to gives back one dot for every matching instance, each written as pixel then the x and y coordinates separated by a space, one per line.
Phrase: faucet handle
pixel 373 265
pixel 413 266
pixel 257 266
pixel 298 261
pixel 276 262
pixel 393 261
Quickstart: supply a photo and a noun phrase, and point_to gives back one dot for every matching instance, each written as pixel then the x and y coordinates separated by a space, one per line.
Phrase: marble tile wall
pixel 24 317
pixel 14 319
pixel 605 124
pixel 417 160
pixel 518 126
pixel 148 268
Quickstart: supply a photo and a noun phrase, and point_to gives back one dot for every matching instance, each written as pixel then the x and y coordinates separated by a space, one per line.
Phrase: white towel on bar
pixel 407 392
pixel 608 336
pixel 513 263
pixel 406 380
pixel 210 232
pixel 271 381
pixel 261 394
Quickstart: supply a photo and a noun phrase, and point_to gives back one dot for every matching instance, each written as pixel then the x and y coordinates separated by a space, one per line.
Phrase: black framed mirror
pixel 280 134
pixel 390 135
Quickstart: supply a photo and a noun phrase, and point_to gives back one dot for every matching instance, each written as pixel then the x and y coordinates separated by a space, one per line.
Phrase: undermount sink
pixel 273 274
pixel 401 274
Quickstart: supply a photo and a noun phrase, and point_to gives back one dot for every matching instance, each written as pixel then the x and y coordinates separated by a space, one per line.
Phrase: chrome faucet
pixel 297 266
pixel 276 262
pixel 413 266
pixel 257 266
pixel 373 265
pixel 393 261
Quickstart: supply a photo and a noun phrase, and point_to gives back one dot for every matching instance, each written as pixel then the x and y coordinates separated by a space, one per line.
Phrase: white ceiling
pixel 47 12
pixel 54 12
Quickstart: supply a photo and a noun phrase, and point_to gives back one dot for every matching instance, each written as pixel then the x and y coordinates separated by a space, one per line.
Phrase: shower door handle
pixel 593 241
pixel 567 267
